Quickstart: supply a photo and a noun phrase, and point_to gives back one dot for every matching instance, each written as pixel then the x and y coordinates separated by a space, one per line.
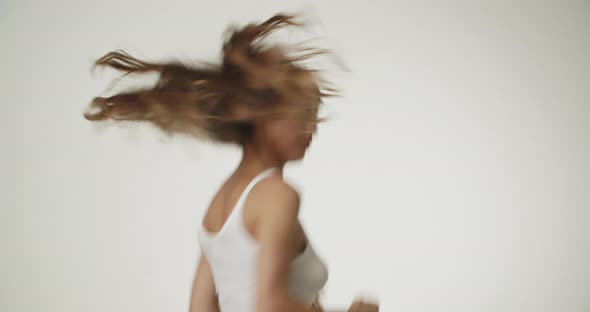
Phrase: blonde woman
pixel 255 255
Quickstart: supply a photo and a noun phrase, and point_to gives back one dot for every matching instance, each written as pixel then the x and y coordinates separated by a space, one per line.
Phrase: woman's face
pixel 290 134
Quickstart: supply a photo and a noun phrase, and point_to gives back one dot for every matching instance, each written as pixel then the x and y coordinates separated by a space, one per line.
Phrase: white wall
pixel 454 176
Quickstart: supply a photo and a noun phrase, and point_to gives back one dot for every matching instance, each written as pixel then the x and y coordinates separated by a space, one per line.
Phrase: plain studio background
pixel 454 175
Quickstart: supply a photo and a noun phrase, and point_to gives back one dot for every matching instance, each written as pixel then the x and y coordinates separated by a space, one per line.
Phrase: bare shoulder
pixel 274 189
pixel 276 198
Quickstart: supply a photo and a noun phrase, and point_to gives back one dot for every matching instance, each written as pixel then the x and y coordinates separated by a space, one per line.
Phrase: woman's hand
pixel 363 306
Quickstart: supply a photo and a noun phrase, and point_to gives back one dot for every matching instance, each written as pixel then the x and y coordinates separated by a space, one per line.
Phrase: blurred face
pixel 290 134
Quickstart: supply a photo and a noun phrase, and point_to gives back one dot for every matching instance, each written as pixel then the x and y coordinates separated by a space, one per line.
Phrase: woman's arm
pixel 203 297
pixel 276 235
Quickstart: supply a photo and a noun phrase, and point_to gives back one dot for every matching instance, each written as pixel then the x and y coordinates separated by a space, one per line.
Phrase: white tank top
pixel 232 253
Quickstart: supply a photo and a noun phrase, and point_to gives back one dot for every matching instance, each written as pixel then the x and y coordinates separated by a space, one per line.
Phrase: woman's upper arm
pixel 203 294
pixel 280 206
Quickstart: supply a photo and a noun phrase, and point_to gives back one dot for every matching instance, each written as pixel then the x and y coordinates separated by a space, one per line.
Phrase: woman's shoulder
pixel 275 205
pixel 276 192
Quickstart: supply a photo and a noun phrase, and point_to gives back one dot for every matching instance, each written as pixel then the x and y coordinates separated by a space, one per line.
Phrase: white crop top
pixel 232 253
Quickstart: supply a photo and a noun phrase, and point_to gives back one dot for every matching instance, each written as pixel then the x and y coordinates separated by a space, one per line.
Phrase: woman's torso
pixel 228 240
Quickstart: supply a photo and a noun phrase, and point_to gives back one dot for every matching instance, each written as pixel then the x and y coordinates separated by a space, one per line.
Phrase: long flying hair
pixel 219 101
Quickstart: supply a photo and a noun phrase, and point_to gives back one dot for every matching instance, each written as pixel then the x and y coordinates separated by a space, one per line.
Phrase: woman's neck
pixel 255 159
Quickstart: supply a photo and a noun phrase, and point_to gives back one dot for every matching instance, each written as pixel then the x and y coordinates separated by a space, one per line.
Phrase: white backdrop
pixel 454 175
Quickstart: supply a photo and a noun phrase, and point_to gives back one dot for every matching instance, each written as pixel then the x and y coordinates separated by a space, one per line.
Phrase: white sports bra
pixel 232 254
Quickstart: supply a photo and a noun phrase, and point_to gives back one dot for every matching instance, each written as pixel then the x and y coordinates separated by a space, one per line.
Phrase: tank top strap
pixel 256 179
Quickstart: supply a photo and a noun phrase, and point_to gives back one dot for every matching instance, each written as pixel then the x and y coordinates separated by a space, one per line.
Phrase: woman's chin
pixel 299 155
pixel 302 154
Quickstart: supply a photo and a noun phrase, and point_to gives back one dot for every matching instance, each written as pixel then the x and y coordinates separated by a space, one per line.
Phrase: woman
pixel 255 255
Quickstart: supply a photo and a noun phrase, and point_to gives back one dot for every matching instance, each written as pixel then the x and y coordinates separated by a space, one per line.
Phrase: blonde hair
pixel 219 101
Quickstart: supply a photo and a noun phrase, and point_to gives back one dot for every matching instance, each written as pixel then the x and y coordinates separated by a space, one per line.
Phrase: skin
pixel 270 215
